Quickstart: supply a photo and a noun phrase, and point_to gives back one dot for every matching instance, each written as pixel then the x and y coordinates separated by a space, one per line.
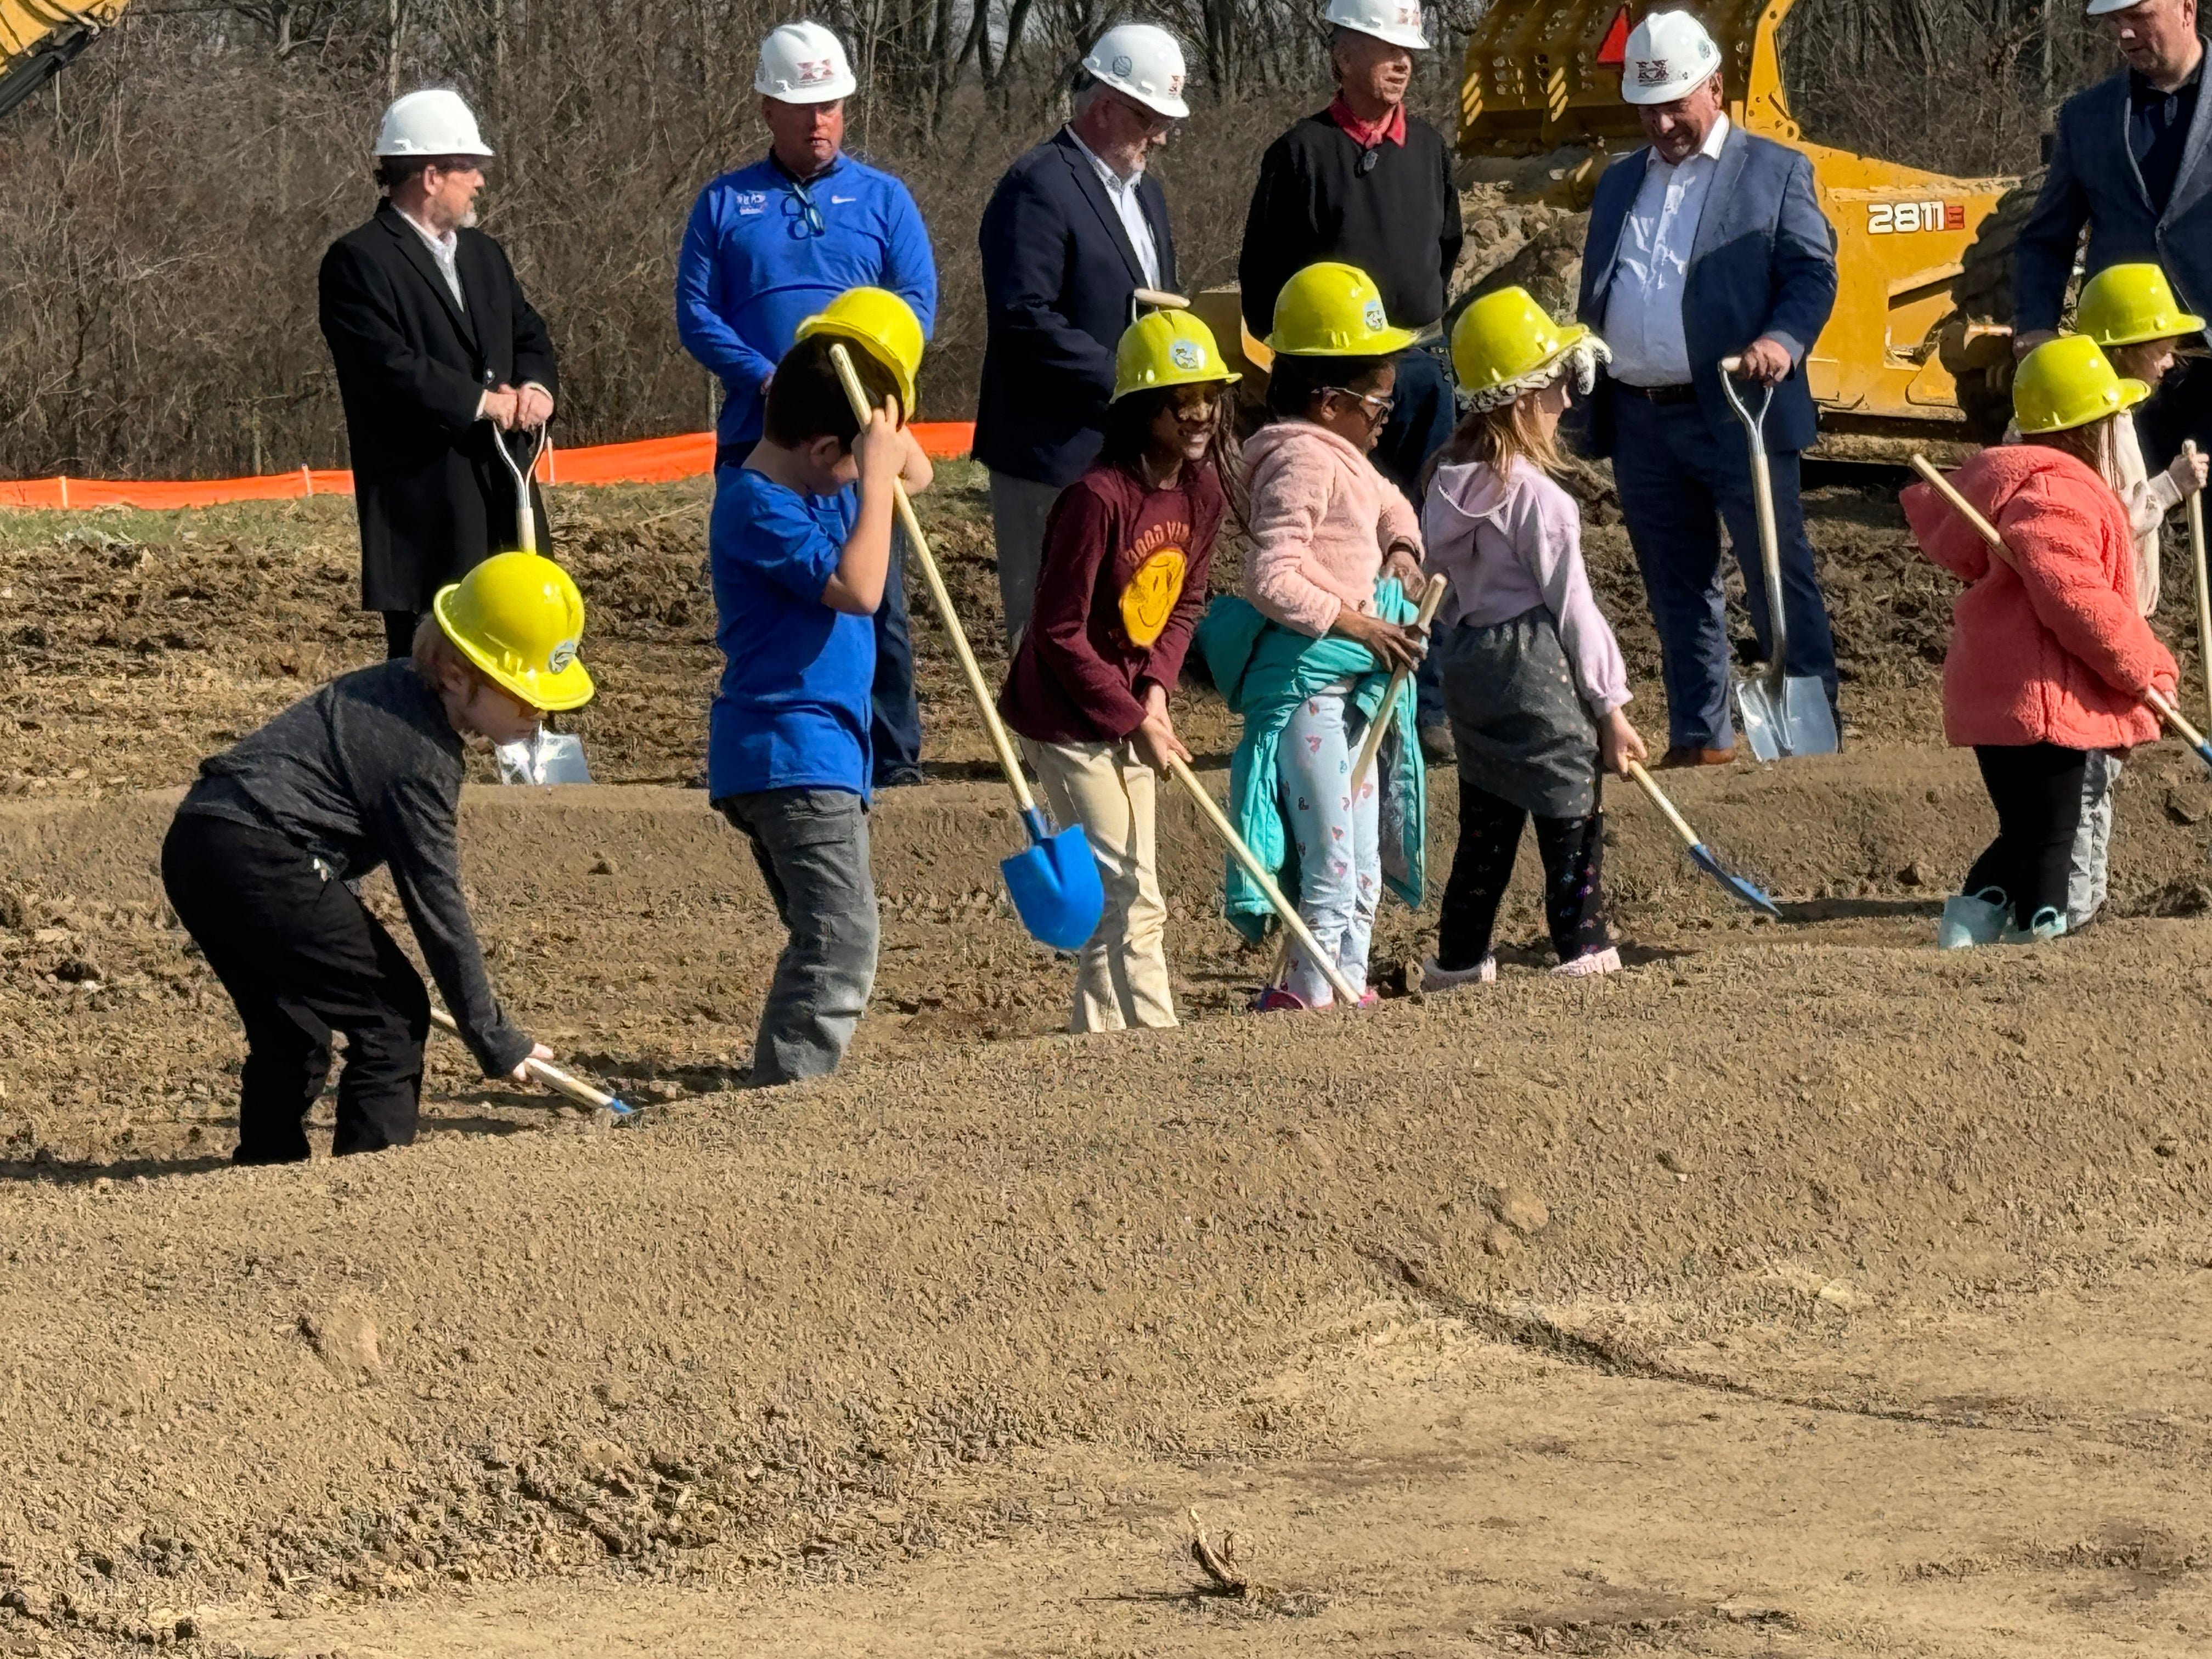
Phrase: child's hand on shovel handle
pixel 521 1072
pixel 1156 740
pixel 1395 645
pixel 1618 743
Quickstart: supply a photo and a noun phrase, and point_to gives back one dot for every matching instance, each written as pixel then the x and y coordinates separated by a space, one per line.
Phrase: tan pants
pixel 1122 976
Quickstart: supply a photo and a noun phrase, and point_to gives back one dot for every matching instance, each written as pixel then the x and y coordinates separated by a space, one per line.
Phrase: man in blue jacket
pixel 771 245
pixel 1706 244
pixel 1073 230
pixel 2133 163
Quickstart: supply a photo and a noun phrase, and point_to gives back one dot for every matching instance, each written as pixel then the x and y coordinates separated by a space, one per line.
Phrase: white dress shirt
pixel 443 249
pixel 1644 308
pixel 1122 193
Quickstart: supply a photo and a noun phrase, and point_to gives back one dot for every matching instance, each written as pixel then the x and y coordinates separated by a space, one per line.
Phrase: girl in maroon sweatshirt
pixel 1125 554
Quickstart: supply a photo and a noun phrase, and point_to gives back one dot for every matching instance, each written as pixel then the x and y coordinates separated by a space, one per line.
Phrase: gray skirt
pixel 1522 732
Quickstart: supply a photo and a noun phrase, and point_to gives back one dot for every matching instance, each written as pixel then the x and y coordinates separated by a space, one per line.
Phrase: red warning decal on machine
pixel 1897 218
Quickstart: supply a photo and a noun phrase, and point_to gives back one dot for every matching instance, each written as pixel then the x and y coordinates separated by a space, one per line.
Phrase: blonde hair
pixel 1499 437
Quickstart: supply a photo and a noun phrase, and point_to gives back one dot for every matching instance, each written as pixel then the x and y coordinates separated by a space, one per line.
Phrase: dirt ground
pixel 1796 1292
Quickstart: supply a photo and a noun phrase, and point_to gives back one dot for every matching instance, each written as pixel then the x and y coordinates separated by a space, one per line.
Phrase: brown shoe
pixel 1683 754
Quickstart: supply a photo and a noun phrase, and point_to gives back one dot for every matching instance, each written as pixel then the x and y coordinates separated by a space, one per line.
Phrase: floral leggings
pixel 1338 844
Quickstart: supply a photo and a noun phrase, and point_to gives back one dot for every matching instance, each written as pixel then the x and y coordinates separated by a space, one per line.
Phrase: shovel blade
pixel 1743 892
pixel 1055 889
pixel 1786 718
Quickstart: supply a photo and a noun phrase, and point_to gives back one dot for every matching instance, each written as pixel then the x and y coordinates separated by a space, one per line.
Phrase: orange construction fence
pixel 649 460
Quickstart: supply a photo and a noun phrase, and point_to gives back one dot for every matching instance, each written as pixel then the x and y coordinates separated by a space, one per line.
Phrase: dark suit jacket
pixel 1058 271
pixel 433 498
pixel 1763 262
pixel 2093 181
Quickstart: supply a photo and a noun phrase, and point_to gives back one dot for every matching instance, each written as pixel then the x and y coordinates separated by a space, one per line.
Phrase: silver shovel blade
pixel 1786 717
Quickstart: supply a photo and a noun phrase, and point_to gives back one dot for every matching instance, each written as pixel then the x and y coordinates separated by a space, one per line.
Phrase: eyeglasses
pixel 806 215
pixel 1378 406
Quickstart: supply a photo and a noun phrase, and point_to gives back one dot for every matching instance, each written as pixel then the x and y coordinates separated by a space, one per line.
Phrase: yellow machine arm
pixel 37 37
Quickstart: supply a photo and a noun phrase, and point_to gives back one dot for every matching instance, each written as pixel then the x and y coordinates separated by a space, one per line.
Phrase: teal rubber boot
pixel 1971 919
pixel 2049 923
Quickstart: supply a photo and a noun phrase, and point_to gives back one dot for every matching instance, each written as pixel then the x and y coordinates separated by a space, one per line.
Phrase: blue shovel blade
pixel 1055 889
pixel 1735 886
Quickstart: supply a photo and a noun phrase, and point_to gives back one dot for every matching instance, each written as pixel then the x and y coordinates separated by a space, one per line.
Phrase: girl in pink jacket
pixel 1326 527
pixel 1533 681
pixel 2050 654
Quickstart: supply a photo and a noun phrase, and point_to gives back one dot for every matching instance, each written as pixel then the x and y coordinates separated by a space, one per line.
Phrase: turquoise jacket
pixel 1263 671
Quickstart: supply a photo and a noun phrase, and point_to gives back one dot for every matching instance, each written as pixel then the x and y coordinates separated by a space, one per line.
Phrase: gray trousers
pixel 1019 507
pixel 2092 839
pixel 812 846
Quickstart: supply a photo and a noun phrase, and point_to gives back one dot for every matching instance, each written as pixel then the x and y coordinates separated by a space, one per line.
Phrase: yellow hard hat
pixel 2126 305
pixel 1167 347
pixel 1334 310
pixel 2065 383
pixel 881 325
pixel 1505 338
pixel 518 617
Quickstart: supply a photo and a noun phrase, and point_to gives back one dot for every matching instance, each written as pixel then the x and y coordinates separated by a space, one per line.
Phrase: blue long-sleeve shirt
pixel 753 269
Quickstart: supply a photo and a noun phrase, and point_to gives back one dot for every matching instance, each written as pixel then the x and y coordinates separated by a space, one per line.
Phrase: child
pixel 1533 679
pixel 798 560
pixel 259 861
pixel 1326 526
pixel 2130 311
pixel 1126 550
pixel 2050 654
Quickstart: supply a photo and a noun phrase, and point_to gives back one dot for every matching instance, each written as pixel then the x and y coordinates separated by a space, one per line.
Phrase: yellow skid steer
pixel 38 37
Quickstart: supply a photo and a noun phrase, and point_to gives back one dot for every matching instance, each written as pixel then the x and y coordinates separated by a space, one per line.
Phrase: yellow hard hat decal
pixel 1149 598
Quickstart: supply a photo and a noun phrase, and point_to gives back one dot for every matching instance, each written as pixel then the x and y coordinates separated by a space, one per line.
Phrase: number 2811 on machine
pixel 1895 218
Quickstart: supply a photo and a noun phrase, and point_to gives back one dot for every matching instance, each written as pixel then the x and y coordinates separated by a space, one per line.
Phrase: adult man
pixel 771 245
pixel 1707 243
pixel 1368 184
pixel 437 354
pixel 1073 230
pixel 2133 163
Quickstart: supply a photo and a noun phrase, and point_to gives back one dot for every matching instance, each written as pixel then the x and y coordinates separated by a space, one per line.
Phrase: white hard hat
pixel 1143 62
pixel 1398 21
pixel 2104 8
pixel 430 123
pixel 1669 54
pixel 803 64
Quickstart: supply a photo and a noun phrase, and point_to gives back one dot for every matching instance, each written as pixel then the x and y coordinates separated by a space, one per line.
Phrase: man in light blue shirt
pixel 772 244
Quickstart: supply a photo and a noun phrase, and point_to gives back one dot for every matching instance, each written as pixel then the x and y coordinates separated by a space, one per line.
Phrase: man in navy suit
pixel 1706 244
pixel 2133 163
pixel 1074 228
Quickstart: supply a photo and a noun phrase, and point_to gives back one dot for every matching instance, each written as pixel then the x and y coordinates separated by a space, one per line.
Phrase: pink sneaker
pixel 1607 961
pixel 1369 998
pixel 1279 999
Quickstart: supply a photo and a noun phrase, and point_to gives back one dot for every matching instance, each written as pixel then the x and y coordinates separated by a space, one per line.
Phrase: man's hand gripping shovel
pixel 1053 881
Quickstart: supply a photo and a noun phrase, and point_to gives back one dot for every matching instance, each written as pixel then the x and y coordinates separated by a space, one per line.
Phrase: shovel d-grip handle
pixel 1002 744
pixel 1284 911
pixel 1154 299
pixel 1989 533
pixel 1762 499
pixel 526 515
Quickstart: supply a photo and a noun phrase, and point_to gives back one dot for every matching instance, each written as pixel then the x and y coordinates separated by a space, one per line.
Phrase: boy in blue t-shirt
pixel 799 559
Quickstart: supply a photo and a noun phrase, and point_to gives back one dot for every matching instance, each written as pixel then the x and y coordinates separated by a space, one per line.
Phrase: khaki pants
pixel 1122 976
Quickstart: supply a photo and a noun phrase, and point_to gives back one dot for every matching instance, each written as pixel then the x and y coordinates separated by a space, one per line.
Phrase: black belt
pixel 1661 395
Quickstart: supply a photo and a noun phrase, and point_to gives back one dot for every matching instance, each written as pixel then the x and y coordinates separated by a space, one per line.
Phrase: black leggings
pixel 2037 790
pixel 1489 840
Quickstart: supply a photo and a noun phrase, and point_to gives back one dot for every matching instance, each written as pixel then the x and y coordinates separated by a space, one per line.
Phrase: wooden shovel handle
pixel 545 1072
pixel 1292 922
pixel 2195 499
pixel 979 688
pixel 1666 807
pixel 1432 595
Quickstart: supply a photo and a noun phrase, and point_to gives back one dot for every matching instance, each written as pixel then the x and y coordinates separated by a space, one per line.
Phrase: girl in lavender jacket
pixel 1534 682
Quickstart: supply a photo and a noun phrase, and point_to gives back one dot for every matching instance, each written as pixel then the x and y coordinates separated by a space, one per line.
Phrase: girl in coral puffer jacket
pixel 2050 654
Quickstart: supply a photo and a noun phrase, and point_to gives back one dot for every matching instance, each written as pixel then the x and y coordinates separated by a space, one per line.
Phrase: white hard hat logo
pixel 1175 84
pixel 558 659
pixel 1373 316
pixel 814 71
pixel 1125 65
pixel 1187 355
pixel 1652 71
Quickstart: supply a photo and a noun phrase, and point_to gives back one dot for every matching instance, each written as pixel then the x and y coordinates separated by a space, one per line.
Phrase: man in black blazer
pixel 1074 228
pixel 437 354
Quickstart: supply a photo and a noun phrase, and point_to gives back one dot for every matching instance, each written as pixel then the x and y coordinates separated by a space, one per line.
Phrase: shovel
pixel 1742 891
pixel 2203 595
pixel 1284 911
pixel 561 1082
pixel 547 756
pixel 1989 533
pixel 1782 715
pixel 1053 881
